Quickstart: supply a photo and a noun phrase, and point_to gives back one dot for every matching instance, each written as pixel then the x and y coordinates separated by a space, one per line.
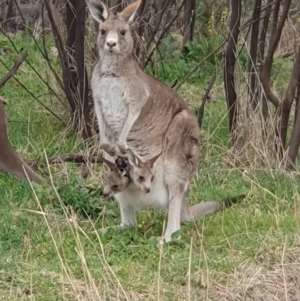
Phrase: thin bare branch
pixel 205 96
pixel 74 158
pixel 14 69
pixel 199 64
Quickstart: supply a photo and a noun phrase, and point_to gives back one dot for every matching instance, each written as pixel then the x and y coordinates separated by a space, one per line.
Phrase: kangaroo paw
pixel 111 150
pixel 123 147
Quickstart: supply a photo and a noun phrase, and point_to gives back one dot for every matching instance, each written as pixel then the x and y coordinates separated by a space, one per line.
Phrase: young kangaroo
pixel 136 111
pixel 141 173
pixel 117 178
pixel 123 172
pixel 9 160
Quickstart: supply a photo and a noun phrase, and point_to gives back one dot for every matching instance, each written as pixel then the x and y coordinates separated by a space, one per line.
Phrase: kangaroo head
pixel 117 178
pixel 142 173
pixel 114 36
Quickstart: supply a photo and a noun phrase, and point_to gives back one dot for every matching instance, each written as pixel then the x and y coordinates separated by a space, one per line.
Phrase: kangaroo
pixel 136 111
pixel 9 160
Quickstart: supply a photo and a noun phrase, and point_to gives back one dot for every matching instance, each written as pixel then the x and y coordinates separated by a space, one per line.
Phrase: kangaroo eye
pixel 103 31
pixel 115 187
pixel 122 32
pixel 152 178
pixel 141 178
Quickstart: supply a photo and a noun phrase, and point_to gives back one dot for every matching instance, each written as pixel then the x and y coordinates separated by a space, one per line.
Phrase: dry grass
pixel 279 282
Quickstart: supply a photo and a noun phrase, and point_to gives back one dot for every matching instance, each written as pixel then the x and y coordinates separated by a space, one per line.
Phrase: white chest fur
pixel 111 95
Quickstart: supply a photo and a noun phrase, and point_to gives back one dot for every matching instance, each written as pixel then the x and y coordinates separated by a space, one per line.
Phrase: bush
pixel 175 65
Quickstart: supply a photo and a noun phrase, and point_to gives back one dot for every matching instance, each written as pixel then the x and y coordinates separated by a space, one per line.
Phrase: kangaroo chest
pixel 112 96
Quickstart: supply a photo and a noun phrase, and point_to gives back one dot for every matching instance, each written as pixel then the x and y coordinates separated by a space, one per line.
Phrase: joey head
pixel 117 178
pixel 142 173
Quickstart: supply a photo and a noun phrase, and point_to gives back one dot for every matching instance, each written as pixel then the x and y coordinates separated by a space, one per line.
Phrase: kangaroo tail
pixel 204 208
pixel 234 200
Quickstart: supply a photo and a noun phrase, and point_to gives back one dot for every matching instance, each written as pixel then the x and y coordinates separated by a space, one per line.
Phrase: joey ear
pixel 128 13
pixel 98 9
pixel 132 158
pixel 152 160
pixel 122 172
pixel 110 164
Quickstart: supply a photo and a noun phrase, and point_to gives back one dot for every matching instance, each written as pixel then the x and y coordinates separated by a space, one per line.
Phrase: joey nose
pixel 111 44
pixel 147 190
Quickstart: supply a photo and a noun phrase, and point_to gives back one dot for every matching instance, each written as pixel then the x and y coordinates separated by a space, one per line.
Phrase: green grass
pixel 48 250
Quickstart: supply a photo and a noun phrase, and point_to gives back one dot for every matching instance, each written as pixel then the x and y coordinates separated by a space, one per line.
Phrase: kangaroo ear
pixel 110 164
pixel 152 160
pixel 128 13
pixel 98 9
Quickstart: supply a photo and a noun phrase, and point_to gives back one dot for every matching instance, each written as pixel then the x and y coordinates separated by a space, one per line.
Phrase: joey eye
pixel 152 178
pixel 122 32
pixel 141 178
pixel 103 31
pixel 115 187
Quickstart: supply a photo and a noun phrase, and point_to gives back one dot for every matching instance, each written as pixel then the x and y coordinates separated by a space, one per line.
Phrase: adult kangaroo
pixel 138 112
pixel 9 160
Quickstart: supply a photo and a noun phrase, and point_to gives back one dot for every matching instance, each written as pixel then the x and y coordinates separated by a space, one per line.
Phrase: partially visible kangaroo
pixel 9 160
pixel 117 178
pixel 136 111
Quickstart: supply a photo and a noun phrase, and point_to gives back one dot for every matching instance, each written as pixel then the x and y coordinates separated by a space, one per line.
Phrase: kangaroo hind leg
pixel 176 197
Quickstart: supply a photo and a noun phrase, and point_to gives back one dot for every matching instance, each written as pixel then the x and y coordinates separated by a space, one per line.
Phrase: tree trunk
pixel 285 106
pixel 252 67
pixel 295 138
pixel 9 23
pixel 139 49
pixel 75 23
pixel 82 76
pixel 274 39
pixel 261 54
pixel 70 45
pixel 188 23
pixel 230 59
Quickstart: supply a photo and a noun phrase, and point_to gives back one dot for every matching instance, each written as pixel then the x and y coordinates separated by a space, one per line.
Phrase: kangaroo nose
pixel 111 44
pixel 147 190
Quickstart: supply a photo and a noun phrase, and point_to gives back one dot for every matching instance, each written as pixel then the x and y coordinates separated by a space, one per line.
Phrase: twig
pixel 75 158
pixel 205 96
pixel 14 69
pixel 166 28
pixel 199 64
pixel 32 95
pixel 31 66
